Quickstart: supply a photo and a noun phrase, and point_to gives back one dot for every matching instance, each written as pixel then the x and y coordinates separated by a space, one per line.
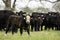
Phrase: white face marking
pixel 28 18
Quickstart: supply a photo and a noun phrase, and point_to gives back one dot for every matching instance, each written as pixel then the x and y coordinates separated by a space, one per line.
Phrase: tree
pixel 57 6
pixel 8 4
pixel 13 7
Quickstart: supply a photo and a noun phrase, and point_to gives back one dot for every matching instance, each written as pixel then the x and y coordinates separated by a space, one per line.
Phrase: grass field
pixel 41 35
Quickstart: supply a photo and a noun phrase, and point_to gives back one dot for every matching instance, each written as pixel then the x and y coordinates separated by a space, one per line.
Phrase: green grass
pixel 41 35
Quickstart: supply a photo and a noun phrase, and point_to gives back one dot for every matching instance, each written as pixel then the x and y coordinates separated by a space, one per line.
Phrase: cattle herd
pixel 11 22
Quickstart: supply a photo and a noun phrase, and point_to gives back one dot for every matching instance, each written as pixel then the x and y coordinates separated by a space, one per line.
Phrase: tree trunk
pixel 13 7
pixel 7 4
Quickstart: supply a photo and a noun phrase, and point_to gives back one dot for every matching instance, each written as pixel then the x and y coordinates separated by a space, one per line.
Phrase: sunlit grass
pixel 41 35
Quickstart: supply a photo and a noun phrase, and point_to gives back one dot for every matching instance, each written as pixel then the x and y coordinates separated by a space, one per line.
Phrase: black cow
pixel 14 23
pixel 4 14
pixel 50 20
pixel 32 23
pixel 25 23
pixel 36 20
pixel 18 21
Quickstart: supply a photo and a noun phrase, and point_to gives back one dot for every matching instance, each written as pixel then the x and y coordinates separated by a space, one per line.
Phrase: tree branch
pixel 50 1
pixel 13 7
pixel 4 1
pixel 55 1
pixel 14 3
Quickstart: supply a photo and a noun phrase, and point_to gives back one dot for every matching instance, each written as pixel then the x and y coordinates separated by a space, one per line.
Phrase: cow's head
pixel 28 19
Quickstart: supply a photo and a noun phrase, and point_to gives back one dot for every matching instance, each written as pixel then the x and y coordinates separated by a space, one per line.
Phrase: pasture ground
pixel 41 35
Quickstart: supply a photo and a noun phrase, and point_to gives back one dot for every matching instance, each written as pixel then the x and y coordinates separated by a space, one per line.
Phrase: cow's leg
pixel 52 26
pixel 7 28
pixel 45 27
pixel 21 30
pixel 56 27
pixel 35 26
pixel 13 28
pixel 16 28
pixel 49 26
pixel 32 27
pixel 38 27
pixel 0 27
pixel 28 30
pixel 41 27
pixel 59 27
